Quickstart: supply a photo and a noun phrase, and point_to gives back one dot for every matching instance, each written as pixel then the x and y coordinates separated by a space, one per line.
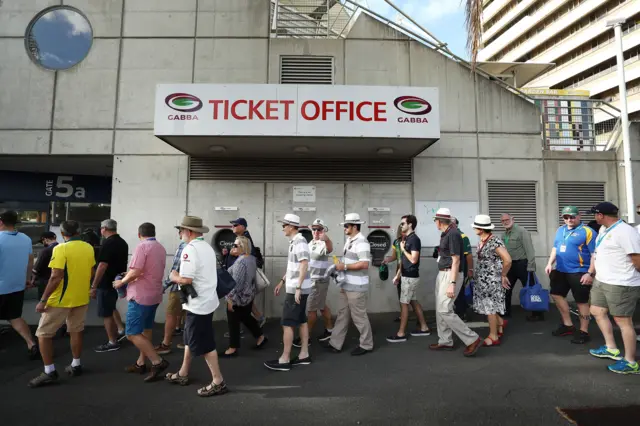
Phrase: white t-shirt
pixel 199 263
pixel 613 263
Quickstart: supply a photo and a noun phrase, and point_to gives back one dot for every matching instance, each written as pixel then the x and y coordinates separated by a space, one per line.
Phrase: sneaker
pixel 327 345
pixel 297 342
pixel 162 349
pixel 564 330
pixel 396 339
pixel 73 371
pixel 178 332
pixel 604 352
pixel 276 365
pixel 107 347
pixel 624 367
pixel 360 351
pixel 580 338
pixel 44 379
pixel 34 353
pixel 301 361
pixel 420 333
pixel 325 336
pixel 157 370
pixel 122 337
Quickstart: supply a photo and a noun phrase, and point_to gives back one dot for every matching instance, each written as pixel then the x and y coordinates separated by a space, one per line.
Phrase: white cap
pixel 290 219
pixel 352 219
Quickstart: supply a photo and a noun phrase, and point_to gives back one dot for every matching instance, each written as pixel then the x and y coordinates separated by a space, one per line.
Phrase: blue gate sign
pixel 21 186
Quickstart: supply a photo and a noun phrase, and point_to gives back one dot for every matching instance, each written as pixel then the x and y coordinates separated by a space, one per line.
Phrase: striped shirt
pixel 356 249
pixel 319 259
pixel 298 251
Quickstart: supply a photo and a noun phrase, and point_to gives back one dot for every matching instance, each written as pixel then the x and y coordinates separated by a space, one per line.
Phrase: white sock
pixel 48 369
pixel 330 330
pixel 75 362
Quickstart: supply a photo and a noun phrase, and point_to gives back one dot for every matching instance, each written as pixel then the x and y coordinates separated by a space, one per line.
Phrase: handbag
pixel 226 283
pixel 262 282
pixel 468 290
pixel 383 272
pixel 533 297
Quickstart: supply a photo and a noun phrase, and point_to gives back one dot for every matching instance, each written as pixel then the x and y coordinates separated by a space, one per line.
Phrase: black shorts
pixel 198 333
pixel 294 314
pixel 11 305
pixel 107 299
pixel 562 282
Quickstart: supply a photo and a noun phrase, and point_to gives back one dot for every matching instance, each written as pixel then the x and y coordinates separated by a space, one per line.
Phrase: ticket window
pixel 380 243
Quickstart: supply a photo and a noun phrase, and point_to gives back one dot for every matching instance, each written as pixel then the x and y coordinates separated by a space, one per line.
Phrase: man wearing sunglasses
pixel 572 249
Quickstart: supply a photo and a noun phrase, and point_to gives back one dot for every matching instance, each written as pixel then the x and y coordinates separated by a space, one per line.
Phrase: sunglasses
pixel 347 225
pixel 567 217
pixel 316 229
pixel 233 225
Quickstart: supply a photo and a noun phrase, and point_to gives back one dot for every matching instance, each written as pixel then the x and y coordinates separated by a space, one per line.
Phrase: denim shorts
pixel 139 318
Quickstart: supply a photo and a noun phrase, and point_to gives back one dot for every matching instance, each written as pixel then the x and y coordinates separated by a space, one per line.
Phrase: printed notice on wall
pixel 304 194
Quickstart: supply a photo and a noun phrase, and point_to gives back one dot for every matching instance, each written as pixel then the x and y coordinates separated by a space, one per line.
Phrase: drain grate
pixel 601 416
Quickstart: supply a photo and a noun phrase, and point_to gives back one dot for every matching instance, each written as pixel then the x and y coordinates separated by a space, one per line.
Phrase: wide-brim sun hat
pixel 483 221
pixel 352 219
pixel 193 223
pixel 290 219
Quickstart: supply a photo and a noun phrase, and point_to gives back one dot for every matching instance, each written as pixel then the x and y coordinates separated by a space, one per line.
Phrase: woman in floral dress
pixel 491 278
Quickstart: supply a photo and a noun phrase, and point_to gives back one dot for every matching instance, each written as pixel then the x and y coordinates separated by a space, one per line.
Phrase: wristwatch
pixel 298 288
pixel 43 301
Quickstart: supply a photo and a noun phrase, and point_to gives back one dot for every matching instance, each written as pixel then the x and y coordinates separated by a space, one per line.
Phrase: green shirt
pixel 396 246
pixel 519 245
pixel 466 247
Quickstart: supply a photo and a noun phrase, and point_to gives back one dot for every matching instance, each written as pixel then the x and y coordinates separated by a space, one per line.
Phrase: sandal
pixel 177 378
pixel 491 342
pixel 502 327
pixel 212 389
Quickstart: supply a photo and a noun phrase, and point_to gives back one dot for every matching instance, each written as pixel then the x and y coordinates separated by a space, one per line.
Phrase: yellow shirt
pixel 77 259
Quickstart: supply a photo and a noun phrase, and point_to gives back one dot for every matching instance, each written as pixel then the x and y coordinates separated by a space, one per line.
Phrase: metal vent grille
pixel 306 70
pixel 516 198
pixel 300 170
pixel 583 195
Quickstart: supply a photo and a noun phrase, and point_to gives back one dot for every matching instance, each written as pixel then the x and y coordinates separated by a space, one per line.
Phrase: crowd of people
pixel 600 265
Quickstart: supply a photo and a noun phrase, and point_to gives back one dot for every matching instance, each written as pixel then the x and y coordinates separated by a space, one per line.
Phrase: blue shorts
pixel 139 318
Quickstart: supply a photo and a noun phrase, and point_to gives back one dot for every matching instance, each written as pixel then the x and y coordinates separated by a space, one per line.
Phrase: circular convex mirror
pixel 58 38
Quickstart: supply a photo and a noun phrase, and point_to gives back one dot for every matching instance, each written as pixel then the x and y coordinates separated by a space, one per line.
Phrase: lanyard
pixel 564 233
pixel 604 234
pixel 200 238
pixel 481 245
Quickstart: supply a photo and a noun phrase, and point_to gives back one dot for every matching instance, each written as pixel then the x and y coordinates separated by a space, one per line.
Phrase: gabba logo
pixel 413 106
pixel 185 104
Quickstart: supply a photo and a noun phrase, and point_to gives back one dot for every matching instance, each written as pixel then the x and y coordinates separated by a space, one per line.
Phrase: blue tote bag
pixel 468 291
pixel 533 297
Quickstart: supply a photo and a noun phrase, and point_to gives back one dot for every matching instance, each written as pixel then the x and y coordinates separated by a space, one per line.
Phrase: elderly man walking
pixel 448 284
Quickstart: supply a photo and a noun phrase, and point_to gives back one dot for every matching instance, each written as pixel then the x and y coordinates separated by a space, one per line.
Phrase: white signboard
pixel 304 209
pixel 464 211
pixel 379 209
pixel 226 209
pixel 304 194
pixel 297 110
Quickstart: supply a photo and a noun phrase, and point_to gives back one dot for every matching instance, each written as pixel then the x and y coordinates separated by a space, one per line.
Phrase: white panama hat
pixel 352 219
pixel 290 219
pixel 483 221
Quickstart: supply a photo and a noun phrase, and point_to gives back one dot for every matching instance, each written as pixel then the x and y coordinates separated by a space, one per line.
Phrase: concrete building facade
pixel 572 36
pixel 97 118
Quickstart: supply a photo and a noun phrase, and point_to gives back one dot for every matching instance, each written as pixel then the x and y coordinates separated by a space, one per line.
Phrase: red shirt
pixel 150 257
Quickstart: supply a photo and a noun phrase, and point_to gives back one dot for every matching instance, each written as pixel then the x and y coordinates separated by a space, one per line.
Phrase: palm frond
pixel 473 22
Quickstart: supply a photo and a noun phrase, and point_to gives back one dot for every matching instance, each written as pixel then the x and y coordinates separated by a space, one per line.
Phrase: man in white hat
pixel 298 287
pixel 198 269
pixel 353 291
pixel 448 284
pixel 320 247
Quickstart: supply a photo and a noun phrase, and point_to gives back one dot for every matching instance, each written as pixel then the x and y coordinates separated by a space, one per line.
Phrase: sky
pixel 442 18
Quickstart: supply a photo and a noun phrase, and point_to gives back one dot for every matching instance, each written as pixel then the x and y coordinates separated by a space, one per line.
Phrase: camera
pixel 185 292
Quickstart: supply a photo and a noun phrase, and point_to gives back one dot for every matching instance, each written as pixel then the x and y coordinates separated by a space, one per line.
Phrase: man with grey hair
pixel 112 260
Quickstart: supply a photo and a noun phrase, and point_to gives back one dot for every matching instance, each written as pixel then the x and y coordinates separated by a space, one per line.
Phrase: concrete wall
pixel 105 106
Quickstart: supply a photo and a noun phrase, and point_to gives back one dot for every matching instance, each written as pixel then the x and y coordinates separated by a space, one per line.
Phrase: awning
pixel 276 121
pixel 520 73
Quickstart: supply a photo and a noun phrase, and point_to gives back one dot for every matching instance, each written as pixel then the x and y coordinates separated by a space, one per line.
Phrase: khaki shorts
pixel 174 306
pixel 618 299
pixel 53 318
pixel 408 289
pixel 318 296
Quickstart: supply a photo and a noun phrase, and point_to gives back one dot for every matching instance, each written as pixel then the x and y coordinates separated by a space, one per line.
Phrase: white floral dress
pixel 488 293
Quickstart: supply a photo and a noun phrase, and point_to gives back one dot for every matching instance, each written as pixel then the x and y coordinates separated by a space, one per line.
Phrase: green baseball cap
pixel 571 210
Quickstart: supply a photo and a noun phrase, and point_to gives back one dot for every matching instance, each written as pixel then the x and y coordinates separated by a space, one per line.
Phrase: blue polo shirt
pixel 578 245
pixel 15 248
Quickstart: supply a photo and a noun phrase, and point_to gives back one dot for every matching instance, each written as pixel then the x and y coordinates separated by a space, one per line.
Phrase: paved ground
pixel 520 383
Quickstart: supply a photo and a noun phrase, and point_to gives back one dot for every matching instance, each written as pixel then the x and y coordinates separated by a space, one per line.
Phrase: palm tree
pixel 473 22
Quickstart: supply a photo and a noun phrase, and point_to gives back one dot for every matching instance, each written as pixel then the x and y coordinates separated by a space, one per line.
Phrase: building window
pixel 517 198
pixel 306 70
pixel 583 195
pixel 58 38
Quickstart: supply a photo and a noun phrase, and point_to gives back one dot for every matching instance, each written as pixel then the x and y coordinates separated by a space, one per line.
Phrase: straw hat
pixel 290 219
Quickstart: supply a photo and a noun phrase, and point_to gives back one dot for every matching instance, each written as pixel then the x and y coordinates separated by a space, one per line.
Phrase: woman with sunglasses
pixel 240 299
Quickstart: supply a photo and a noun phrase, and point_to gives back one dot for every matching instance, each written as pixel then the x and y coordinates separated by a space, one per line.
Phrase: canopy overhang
pixel 518 73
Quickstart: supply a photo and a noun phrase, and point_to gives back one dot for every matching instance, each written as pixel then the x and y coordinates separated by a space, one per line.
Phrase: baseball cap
pixel 570 210
pixel 240 221
pixel 605 208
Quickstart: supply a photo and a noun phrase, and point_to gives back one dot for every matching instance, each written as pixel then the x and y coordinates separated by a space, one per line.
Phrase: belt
pixel 445 270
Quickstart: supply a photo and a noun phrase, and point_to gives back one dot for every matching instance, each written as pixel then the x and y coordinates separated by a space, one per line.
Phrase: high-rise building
pixel 567 44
